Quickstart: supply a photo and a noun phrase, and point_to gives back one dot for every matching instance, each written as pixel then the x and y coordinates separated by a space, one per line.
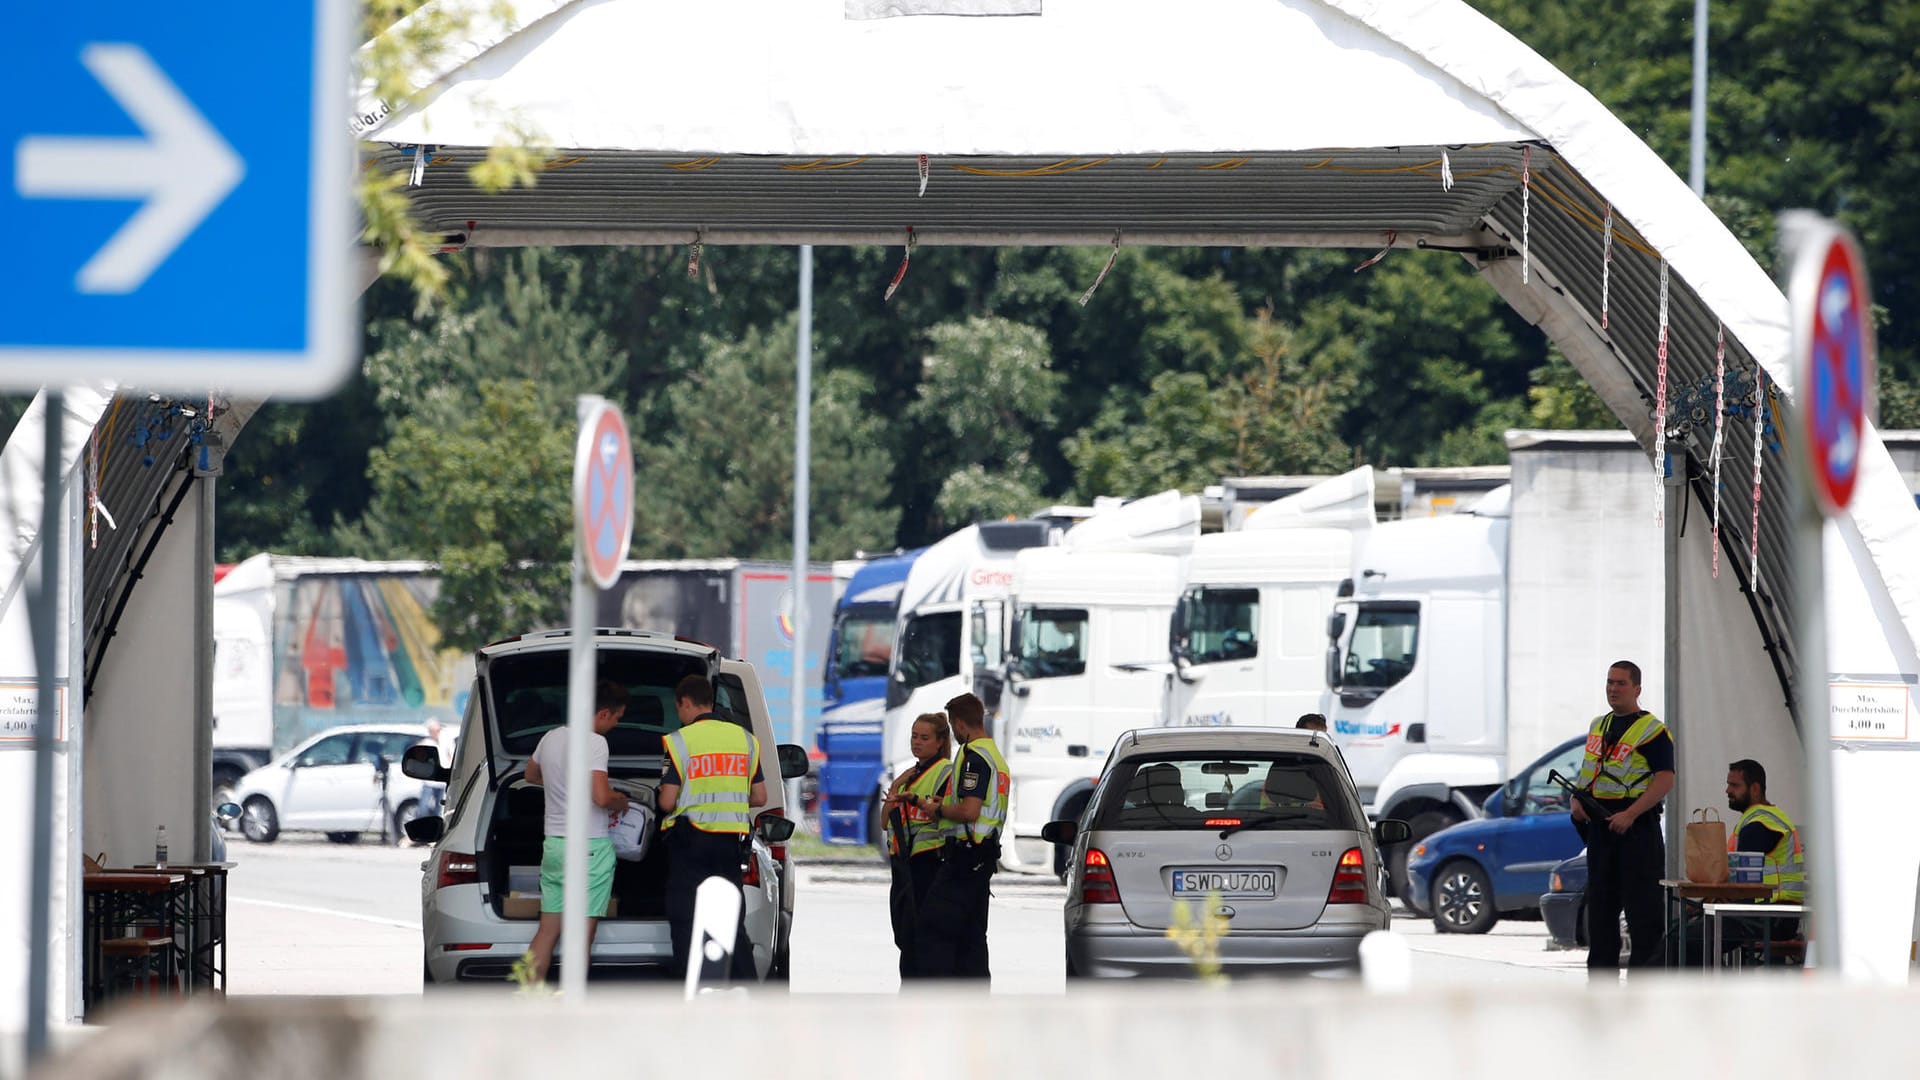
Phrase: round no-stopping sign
pixel 603 492
pixel 1833 361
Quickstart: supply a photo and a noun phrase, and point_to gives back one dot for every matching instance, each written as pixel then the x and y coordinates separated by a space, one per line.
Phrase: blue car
pixel 1470 874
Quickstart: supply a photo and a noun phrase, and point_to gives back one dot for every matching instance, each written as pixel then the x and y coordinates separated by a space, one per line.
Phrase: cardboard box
pixel 522 906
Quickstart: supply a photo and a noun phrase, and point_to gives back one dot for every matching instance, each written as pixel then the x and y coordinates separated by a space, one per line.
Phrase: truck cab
pixel 1084 658
pixel 935 653
pixel 1416 667
pixel 859 656
pixel 1245 639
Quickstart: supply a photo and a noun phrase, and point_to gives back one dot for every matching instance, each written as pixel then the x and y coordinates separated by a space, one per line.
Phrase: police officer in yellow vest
pixel 914 837
pixel 708 790
pixel 1629 769
pixel 952 938
pixel 1766 828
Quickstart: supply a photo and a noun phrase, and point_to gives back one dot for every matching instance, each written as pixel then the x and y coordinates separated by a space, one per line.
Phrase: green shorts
pixel 553 870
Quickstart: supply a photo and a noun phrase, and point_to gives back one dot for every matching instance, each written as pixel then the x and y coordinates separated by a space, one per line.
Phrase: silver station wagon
pixel 1262 823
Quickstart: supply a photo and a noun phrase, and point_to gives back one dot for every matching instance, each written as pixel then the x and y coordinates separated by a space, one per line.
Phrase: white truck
pixel 1089 617
pixel 1465 642
pixel 1247 640
pixel 952 609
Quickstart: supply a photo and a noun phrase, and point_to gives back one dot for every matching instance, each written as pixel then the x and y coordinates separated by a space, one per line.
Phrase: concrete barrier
pixel 1685 1029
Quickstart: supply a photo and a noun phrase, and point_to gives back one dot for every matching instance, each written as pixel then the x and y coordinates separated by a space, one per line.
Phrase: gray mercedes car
pixel 1262 823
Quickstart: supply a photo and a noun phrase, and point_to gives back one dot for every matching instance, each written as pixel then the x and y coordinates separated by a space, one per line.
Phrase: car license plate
pixel 1237 884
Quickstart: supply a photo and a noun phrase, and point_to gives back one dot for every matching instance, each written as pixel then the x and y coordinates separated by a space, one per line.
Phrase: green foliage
pixel 489 498
pixel 716 479
pixel 988 390
pixel 527 321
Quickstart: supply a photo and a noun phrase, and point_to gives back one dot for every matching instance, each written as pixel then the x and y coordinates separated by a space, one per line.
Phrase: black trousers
pixel 912 877
pixel 1623 874
pixel 951 942
pixel 693 857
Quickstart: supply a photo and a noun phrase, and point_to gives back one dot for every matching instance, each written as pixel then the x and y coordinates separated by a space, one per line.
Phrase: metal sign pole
pixel 1816 735
pixel 802 455
pixel 1833 388
pixel 603 529
pixel 573 921
pixel 45 607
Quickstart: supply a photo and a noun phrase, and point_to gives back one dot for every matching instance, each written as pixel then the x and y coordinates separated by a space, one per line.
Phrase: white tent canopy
pixel 1341 123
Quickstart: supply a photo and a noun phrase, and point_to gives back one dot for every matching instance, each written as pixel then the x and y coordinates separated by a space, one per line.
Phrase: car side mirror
pixel 426 830
pixel 423 763
pixel 227 812
pixel 774 830
pixel 793 761
pixel 1390 831
pixel 1059 832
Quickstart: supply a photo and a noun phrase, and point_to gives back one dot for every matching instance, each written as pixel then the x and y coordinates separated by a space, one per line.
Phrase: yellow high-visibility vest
pixel 993 801
pixel 924 834
pixel 1784 866
pixel 1624 774
pixel 718 763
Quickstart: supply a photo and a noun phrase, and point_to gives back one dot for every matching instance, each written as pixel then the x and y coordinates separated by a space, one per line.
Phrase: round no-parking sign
pixel 603 491
pixel 1833 360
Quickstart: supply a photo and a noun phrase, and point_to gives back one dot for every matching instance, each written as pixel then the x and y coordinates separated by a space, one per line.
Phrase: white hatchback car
pixel 332 783
pixel 1262 823
pixel 480 890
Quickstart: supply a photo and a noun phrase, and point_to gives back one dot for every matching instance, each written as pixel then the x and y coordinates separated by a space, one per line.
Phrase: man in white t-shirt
pixel 548 769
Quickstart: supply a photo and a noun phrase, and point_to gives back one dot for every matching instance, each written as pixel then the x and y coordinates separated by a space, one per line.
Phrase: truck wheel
pixel 1463 899
pixel 1423 824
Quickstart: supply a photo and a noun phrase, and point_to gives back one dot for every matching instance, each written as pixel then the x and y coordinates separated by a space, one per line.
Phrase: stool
pixel 134 962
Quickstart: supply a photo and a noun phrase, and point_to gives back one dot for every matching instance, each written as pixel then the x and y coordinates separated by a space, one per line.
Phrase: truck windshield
pixel 1221 624
pixel 1383 646
pixel 863 642
pixel 1053 642
pixel 930 649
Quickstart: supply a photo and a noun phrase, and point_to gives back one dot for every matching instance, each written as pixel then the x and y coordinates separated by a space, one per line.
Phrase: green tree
pixel 718 481
pixel 490 499
pixel 989 388
pixel 520 323
pixel 1271 413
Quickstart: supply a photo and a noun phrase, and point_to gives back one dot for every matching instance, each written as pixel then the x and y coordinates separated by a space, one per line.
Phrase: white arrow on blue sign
pixel 176 196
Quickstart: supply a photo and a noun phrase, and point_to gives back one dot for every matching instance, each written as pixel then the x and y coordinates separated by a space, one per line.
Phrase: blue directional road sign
pixel 176 196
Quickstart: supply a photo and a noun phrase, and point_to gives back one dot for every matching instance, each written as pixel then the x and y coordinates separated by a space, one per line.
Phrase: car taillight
pixel 750 871
pixel 1222 822
pixel 1553 884
pixel 458 868
pixel 1096 879
pixel 1349 879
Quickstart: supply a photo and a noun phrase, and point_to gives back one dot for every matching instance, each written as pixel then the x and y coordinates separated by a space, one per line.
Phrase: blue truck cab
pixel 859 653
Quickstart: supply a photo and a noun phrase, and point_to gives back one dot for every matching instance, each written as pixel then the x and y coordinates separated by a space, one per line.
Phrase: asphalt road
pixel 311 917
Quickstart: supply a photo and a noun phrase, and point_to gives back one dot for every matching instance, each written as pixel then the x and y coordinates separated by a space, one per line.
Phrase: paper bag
pixel 1706 848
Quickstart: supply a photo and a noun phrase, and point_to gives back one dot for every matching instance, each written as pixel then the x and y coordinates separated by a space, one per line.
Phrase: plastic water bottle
pixel 160 846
